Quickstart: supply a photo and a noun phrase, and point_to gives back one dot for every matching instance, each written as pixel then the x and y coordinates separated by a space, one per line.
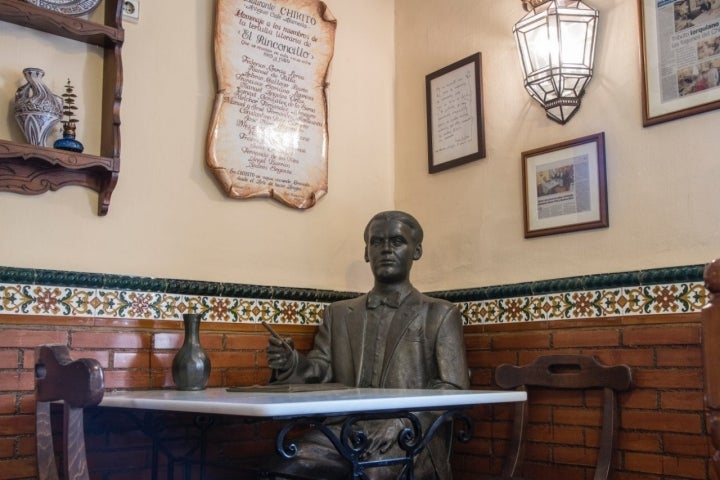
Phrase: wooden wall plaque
pixel 268 133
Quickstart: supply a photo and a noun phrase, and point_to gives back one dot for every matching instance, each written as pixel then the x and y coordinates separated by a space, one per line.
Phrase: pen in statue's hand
pixel 277 335
pixel 279 350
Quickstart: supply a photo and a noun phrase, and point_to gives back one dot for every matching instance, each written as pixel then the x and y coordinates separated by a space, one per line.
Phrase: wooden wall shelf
pixel 28 169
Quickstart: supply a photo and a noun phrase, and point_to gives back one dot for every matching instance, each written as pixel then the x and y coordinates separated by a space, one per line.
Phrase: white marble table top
pixel 269 403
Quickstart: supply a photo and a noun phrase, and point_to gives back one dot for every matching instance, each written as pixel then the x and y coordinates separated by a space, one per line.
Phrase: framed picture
pixel 680 43
pixel 564 187
pixel 455 127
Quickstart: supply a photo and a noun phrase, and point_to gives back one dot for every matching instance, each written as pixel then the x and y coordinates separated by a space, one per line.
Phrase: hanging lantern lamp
pixel 556 42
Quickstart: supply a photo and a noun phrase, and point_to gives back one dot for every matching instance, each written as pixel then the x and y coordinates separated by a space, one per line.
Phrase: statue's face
pixel 391 250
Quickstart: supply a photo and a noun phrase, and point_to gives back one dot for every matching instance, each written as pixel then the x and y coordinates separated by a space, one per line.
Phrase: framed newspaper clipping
pixel 680 45
pixel 564 187
pixel 455 129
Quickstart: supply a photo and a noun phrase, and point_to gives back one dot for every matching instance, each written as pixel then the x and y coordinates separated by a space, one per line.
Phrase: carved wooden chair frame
pixel 576 372
pixel 77 384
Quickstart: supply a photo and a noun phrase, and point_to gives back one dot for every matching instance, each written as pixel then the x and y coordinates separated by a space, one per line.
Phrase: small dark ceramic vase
pixel 191 365
pixel 68 141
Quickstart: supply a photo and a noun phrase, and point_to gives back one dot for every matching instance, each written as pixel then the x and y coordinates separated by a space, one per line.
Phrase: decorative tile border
pixel 128 304
pixel 652 300
pixel 58 293
pixel 643 292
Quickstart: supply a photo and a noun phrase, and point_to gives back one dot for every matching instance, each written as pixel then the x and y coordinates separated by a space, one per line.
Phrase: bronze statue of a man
pixel 391 337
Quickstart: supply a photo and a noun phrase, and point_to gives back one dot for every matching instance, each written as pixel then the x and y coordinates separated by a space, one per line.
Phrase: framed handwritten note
pixel 268 135
pixel 454 114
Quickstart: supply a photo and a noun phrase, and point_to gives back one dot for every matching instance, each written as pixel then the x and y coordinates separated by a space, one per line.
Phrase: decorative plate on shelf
pixel 68 7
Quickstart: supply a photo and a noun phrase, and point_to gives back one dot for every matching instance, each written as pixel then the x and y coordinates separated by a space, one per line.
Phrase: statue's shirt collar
pixel 392 299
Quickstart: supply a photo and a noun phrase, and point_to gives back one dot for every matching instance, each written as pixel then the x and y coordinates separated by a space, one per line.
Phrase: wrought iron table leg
pixel 352 442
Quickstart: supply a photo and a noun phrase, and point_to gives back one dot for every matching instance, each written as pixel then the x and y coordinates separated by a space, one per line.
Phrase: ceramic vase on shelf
pixel 37 109
pixel 191 365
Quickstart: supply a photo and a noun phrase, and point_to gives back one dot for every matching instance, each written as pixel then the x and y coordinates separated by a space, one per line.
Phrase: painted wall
pixel 168 218
pixel 661 180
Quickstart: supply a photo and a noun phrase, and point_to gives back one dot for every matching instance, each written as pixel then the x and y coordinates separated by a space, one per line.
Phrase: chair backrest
pixel 78 384
pixel 566 372
pixel 711 357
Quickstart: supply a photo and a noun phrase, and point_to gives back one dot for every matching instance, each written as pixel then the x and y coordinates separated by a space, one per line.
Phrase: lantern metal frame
pixel 556 43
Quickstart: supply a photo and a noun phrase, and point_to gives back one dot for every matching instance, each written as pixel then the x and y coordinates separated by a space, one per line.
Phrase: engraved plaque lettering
pixel 268 134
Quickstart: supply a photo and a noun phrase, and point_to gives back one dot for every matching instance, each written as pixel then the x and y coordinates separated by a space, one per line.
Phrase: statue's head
pixel 400 216
pixel 393 241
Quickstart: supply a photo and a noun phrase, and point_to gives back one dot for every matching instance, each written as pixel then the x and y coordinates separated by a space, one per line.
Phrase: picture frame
pixel 455 128
pixel 565 187
pixel 685 30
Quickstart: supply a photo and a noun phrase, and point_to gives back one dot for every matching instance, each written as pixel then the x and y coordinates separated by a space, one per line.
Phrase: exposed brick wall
pixel 662 428
pixel 133 354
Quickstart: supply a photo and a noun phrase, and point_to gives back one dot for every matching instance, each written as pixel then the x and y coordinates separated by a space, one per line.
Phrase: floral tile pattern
pixel 77 301
pixel 644 300
pixel 53 293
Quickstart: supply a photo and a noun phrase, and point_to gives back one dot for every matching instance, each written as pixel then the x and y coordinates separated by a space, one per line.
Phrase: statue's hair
pixel 403 217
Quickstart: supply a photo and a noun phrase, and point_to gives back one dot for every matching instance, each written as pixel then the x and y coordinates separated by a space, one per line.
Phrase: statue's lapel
pixel 355 320
pixel 406 313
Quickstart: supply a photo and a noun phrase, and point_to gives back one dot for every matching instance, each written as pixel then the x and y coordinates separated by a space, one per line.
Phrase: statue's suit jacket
pixel 424 349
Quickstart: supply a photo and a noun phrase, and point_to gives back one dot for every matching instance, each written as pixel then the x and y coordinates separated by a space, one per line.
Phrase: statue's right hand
pixel 278 354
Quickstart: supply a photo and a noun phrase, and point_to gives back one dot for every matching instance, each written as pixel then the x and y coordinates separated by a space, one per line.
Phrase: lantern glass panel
pixel 556 45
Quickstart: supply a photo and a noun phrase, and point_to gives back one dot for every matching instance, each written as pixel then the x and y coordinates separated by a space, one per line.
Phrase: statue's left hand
pixel 278 354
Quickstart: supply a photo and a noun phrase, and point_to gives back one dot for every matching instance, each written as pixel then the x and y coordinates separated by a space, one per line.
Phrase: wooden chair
pixel 577 372
pixel 78 384
pixel 711 357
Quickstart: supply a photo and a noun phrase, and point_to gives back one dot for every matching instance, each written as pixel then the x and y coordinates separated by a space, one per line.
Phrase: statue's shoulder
pixel 436 303
pixel 438 310
pixel 353 303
